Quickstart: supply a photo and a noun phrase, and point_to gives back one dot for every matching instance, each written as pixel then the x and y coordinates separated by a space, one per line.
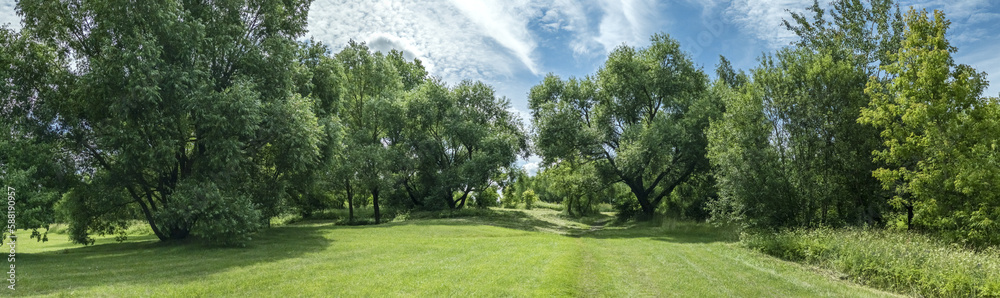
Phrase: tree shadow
pixel 694 233
pixel 155 262
pixel 600 226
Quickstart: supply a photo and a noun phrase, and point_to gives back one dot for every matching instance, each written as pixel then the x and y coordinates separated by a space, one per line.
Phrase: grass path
pixel 533 253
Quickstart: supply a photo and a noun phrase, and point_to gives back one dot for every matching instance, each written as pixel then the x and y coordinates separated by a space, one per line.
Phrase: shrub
pixel 899 261
pixel 509 200
pixel 487 198
pixel 207 212
pixel 529 199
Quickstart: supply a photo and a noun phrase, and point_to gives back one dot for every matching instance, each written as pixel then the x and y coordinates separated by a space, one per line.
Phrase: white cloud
pixel 531 165
pixel 627 21
pixel 8 16
pixel 452 44
pixel 763 18
pixel 456 39
pixel 506 22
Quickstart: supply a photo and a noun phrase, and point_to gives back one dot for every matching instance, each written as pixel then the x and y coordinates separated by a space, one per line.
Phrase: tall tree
pixel 373 89
pixel 940 136
pixel 32 163
pixel 320 78
pixel 182 112
pixel 808 95
pixel 808 101
pixel 642 119
pixel 461 139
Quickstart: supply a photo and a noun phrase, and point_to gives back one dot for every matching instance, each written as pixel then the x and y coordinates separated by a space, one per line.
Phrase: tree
pixel 641 120
pixel 815 160
pixel 940 136
pixel 460 140
pixel 371 105
pixel 180 113
pixel 31 163
pixel 529 199
pixel 321 78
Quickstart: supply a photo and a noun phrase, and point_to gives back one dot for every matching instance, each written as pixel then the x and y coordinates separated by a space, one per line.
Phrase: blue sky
pixel 512 44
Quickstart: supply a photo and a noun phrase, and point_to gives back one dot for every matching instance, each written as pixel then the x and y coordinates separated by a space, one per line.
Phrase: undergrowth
pixel 903 262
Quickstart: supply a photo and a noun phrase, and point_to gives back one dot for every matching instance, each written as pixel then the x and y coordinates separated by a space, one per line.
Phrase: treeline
pixel 865 120
pixel 209 119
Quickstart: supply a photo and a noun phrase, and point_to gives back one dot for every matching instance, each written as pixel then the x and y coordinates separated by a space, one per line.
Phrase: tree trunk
pixel 647 208
pixel 378 216
pixel 350 202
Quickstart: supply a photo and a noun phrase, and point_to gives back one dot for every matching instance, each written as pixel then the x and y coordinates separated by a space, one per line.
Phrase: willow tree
pixel 460 139
pixel 641 120
pixel 181 113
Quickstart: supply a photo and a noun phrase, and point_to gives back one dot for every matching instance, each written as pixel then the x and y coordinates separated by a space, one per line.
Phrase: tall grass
pixel 903 262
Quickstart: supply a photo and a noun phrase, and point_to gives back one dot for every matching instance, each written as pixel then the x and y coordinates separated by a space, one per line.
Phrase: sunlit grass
pixel 484 253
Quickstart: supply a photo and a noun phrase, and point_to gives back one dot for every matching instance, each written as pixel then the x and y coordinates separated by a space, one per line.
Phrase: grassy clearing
pixel 907 263
pixel 493 253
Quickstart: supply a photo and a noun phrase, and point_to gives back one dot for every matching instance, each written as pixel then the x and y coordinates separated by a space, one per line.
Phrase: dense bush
pixel 904 262
pixel 510 200
pixel 210 213
pixel 487 198
pixel 529 199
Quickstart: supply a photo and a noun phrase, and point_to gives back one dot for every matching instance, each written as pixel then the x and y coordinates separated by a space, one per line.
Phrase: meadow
pixel 490 253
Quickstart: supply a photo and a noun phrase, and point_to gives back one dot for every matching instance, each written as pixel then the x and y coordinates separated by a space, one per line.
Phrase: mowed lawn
pixel 536 255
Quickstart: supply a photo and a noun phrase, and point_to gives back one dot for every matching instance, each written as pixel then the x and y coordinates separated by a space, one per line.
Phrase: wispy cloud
pixel 506 22
pixel 457 39
pixel 762 18
pixel 627 21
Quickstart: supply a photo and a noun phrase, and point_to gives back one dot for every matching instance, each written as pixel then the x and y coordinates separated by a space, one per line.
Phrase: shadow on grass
pixel 597 226
pixel 683 232
pixel 155 262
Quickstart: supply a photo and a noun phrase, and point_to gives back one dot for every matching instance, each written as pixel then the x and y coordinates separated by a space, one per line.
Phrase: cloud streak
pixel 626 21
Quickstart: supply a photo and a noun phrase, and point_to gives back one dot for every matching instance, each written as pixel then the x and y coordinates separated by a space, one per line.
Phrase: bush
pixel 487 198
pixel 509 200
pixel 907 263
pixel 529 199
pixel 209 213
pixel 627 209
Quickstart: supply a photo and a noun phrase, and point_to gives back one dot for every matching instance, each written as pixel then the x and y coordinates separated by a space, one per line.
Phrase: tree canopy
pixel 640 121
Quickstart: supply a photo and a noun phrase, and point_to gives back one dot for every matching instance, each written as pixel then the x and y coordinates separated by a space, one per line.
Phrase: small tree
pixel 510 198
pixel 529 199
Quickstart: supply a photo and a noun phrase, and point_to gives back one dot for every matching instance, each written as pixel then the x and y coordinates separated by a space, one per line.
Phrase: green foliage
pixel 529 199
pixel 31 163
pixel 509 199
pixel 789 151
pixel 904 262
pixel 162 92
pixel 205 211
pixel 487 198
pixel 461 140
pixel 940 137
pixel 640 121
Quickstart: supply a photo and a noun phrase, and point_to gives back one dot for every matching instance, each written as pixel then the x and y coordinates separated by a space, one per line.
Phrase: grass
pixel 907 263
pixel 483 253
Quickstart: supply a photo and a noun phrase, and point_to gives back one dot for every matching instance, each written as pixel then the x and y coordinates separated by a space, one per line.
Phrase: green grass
pixel 907 263
pixel 474 253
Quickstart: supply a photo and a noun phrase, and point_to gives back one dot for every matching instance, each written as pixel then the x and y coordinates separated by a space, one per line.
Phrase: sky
pixel 513 44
